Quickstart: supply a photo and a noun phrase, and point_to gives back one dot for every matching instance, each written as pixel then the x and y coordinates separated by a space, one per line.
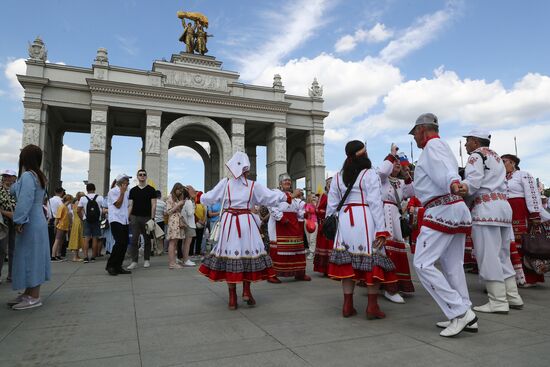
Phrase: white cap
pixel 8 172
pixel 482 134
pixel 122 176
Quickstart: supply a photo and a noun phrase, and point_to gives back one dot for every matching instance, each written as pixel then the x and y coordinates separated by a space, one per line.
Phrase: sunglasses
pixel 142 174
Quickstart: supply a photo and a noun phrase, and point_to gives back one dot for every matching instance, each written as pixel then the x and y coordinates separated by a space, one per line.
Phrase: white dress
pixel 394 191
pixel 239 255
pixel 361 220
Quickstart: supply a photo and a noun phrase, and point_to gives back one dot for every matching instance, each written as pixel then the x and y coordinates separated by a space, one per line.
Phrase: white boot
pixel 497 299
pixel 512 294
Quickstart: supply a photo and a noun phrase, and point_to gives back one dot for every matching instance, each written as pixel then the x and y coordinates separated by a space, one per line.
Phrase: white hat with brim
pixel 122 176
pixel 425 119
pixel 481 134
pixel 8 172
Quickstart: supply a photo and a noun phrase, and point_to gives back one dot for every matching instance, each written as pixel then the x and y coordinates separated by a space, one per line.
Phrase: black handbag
pixel 536 243
pixel 330 225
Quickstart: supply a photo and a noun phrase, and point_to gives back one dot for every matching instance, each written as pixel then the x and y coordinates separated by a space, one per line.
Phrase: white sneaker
pixel 132 266
pixel 458 324
pixel 189 263
pixel 26 303
pixel 146 264
pixel 395 298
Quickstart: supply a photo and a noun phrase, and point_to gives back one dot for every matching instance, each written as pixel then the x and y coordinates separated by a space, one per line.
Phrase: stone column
pixel 315 160
pixel 237 135
pixel 251 152
pixel 276 155
pixel 32 131
pixel 152 146
pixel 98 170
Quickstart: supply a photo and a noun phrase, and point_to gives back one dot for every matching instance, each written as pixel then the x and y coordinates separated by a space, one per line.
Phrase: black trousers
pixel 120 234
pixel 195 247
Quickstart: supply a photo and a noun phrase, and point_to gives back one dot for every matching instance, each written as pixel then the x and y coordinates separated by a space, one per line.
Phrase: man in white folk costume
pixel 394 190
pixel 446 221
pixel 286 236
pixel 484 187
pixel 239 254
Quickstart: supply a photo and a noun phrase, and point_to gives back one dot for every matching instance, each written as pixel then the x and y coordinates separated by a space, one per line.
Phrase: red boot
pixel 247 295
pixel 304 277
pixel 373 311
pixel 233 298
pixel 348 309
pixel 274 280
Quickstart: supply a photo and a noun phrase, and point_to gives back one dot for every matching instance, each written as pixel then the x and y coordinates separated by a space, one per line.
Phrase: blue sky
pixel 473 63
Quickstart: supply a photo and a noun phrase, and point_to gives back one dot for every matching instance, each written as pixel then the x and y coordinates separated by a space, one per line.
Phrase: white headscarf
pixel 238 164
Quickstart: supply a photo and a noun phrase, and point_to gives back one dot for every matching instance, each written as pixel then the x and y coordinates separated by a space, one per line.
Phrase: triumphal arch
pixel 187 100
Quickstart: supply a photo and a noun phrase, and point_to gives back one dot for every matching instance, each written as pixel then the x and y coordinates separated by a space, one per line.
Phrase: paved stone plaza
pixel 161 317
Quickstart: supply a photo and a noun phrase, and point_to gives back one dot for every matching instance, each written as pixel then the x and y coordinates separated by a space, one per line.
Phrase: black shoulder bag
pixel 330 225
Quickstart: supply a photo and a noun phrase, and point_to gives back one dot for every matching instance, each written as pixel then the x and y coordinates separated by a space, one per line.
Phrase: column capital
pixel 99 107
pixel 150 112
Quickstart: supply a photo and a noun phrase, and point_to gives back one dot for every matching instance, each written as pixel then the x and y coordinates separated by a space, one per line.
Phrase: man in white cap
pixel 286 236
pixel 484 187
pixel 7 207
pixel 446 222
pixel 118 205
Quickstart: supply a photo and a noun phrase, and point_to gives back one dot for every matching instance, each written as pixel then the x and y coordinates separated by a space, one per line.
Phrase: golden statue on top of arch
pixel 194 36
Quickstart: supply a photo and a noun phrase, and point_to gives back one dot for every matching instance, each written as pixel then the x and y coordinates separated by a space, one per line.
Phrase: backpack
pixel 92 210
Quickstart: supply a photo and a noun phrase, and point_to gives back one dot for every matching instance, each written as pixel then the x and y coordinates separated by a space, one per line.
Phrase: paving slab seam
pixel 225 357
pixel 278 341
pixel 343 340
pixel 136 320
pixel 29 314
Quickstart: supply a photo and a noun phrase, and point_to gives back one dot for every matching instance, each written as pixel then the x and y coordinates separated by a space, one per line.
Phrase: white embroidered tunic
pixel 522 185
pixel 361 218
pixel 487 191
pixel 435 171
pixel 239 235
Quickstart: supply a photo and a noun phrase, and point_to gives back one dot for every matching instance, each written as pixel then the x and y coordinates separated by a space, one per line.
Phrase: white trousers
pixel 492 252
pixel 448 286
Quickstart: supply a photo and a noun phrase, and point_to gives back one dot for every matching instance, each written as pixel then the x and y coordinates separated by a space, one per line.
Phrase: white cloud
pixel 72 187
pixel 11 69
pixel 75 161
pixel 289 28
pixel 10 141
pixel 378 33
pixel 183 152
pixel 466 101
pixel 425 29
pixel 350 88
pixel 128 44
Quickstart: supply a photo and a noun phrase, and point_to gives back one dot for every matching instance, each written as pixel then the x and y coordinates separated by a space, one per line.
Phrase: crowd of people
pixel 450 219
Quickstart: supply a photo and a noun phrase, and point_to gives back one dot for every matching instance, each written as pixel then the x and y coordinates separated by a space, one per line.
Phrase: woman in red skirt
pixel 526 207
pixel 324 246
pixel 358 253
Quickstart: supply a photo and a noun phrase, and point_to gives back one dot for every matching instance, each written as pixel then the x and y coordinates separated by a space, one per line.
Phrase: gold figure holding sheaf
pixel 195 37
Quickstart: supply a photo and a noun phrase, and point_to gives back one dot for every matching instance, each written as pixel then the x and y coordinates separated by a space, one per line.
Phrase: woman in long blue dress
pixel 31 259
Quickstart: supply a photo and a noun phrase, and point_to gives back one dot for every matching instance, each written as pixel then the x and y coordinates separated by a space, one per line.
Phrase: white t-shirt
pixel 53 205
pixel 119 215
pixel 83 202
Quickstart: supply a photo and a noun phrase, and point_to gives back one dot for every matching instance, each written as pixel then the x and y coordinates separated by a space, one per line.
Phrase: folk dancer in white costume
pixel 286 235
pixel 239 255
pixel 484 187
pixel 527 211
pixel 394 190
pixel 358 253
pixel 446 221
